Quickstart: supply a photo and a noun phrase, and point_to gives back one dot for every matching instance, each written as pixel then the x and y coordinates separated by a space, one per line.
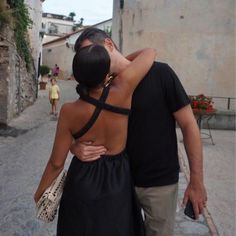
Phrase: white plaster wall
pixel 35 10
pixel 107 25
pixel 196 38
pixel 59 53
pixel 72 39
pixel 48 38
pixel 103 26
pixel 64 27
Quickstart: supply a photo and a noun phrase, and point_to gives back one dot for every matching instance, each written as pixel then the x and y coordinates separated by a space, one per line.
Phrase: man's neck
pixel 119 63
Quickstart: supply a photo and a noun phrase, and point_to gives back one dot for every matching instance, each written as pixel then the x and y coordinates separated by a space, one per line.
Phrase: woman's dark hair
pixel 91 64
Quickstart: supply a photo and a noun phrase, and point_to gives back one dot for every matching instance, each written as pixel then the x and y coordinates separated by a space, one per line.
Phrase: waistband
pixel 110 157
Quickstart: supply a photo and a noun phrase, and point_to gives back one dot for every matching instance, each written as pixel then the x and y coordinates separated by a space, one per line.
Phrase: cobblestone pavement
pixel 23 158
pixel 219 177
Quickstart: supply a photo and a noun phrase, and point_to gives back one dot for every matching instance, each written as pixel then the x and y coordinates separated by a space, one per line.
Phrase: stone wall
pixel 18 87
pixel 3 83
pixel 196 38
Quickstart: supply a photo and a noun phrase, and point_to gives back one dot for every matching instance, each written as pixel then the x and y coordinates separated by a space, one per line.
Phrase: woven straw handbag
pixel 47 205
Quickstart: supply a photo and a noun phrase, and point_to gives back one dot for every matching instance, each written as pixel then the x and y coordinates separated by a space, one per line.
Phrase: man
pixel 157 103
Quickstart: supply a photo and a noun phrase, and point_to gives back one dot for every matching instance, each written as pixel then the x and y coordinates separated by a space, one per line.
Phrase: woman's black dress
pixel 99 197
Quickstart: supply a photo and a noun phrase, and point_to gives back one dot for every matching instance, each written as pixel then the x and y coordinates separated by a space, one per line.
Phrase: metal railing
pixel 228 101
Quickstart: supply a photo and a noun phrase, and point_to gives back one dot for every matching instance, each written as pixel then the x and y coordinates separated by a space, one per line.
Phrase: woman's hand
pixel 36 197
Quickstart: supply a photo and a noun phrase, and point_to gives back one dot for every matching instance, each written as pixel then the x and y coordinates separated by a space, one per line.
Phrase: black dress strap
pixel 95 115
pixel 99 104
pixel 105 106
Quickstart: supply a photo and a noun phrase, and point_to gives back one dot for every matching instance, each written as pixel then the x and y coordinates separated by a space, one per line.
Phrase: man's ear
pixel 109 44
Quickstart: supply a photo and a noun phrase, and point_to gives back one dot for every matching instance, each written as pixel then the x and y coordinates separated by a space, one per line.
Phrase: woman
pixel 98 197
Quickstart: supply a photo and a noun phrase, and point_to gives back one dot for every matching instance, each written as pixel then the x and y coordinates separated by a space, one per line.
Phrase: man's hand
pixel 192 141
pixel 85 151
pixel 197 195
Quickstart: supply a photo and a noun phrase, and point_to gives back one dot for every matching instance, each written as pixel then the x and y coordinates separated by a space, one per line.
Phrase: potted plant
pixel 43 70
pixel 201 103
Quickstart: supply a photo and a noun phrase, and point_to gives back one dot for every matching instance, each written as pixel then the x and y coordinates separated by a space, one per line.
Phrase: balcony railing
pixel 229 103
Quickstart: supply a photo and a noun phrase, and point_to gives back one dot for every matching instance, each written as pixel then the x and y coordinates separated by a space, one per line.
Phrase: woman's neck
pixel 96 91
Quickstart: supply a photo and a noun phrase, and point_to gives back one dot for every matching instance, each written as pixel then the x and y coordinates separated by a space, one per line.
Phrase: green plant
pixel 44 70
pixel 108 31
pixel 72 15
pixel 22 22
pixel 74 28
pixel 78 24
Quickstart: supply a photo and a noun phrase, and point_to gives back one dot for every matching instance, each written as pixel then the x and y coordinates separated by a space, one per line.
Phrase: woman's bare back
pixel 110 128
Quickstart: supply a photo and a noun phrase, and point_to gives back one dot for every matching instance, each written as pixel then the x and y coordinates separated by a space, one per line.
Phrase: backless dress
pixel 99 197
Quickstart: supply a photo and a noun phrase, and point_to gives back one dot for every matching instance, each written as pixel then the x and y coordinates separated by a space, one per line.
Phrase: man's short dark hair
pixel 94 35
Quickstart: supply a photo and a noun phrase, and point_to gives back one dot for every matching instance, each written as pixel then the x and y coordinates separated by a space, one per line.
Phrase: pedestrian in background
pixel 56 70
pixel 54 96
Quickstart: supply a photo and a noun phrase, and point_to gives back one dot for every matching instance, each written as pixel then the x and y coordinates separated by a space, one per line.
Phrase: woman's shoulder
pixel 75 107
pixel 68 107
pixel 69 111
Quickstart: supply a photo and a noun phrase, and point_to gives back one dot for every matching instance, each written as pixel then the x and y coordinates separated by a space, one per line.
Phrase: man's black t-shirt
pixel 152 142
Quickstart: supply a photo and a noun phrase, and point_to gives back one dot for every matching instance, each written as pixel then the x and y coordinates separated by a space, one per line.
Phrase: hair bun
pixel 82 89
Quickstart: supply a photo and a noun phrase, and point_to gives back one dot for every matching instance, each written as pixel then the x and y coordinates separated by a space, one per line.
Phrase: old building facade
pixel 197 39
pixel 56 24
pixel 18 84
pixel 36 32
pixel 61 51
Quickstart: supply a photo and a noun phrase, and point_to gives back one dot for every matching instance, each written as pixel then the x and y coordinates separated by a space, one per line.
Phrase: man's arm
pixel 133 55
pixel 195 190
pixel 85 151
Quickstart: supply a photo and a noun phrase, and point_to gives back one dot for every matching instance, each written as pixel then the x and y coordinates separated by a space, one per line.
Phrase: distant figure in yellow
pixel 54 96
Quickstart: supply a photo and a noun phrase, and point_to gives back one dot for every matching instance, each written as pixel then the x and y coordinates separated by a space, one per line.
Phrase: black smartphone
pixel 188 211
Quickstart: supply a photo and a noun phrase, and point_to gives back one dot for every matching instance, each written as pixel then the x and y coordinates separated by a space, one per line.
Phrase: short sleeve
pixel 176 96
pixel 58 89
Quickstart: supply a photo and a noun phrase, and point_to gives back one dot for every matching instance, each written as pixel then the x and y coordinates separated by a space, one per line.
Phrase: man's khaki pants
pixel 159 206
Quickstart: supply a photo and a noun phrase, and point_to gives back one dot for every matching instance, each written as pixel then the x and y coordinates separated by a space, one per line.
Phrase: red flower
pixel 201 102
